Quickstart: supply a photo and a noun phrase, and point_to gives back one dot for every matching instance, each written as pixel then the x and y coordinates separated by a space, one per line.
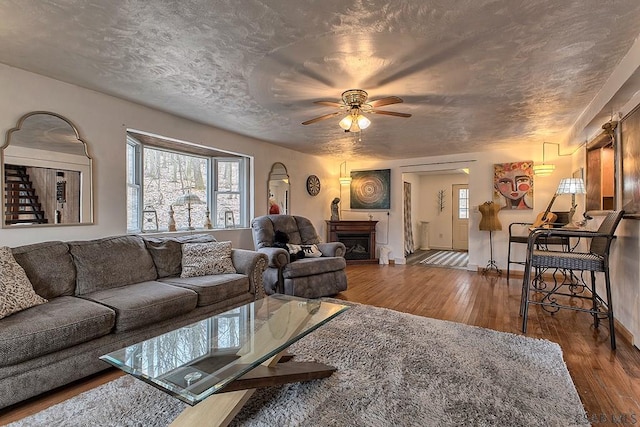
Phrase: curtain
pixel 408 228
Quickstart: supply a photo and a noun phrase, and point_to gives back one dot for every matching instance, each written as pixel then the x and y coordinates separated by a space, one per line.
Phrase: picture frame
pixel 370 190
pixel 513 184
pixel 229 220
pixel 630 167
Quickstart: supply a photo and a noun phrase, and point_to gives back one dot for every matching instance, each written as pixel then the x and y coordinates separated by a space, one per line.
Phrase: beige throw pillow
pixel 16 291
pixel 201 259
pixel 310 251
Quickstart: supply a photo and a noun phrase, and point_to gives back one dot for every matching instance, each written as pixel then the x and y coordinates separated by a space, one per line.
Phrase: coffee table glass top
pixel 198 360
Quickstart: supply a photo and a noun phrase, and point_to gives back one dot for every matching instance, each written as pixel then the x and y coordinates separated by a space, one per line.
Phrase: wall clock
pixel 313 185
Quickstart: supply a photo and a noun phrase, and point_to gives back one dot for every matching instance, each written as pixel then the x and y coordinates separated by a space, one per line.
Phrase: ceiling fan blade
pixel 385 101
pixel 391 113
pixel 330 103
pixel 326 116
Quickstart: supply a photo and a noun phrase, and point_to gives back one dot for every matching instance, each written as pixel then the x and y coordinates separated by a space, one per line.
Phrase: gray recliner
pixel 306 277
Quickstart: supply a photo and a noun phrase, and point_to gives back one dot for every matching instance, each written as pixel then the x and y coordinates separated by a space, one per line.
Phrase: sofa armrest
pixel 278 257
pixel 252 264
pixel 332 249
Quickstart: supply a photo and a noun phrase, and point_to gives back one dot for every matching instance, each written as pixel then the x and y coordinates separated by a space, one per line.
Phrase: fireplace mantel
pixel 358 236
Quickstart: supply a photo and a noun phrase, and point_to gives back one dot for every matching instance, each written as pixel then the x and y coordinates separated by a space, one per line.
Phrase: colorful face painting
pixel 514 183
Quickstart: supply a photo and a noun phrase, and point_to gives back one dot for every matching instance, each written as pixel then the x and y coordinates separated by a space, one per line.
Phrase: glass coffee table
pixel 217 363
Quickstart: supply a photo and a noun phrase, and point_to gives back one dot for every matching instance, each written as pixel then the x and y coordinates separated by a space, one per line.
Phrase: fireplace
pixel 359 237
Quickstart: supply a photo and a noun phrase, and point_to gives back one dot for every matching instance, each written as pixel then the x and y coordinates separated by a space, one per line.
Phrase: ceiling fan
pixel 354 102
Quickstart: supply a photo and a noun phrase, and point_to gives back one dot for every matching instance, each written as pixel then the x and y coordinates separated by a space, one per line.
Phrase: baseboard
pixel 623 331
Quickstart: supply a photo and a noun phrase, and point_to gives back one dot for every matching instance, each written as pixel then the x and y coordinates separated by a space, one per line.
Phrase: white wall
pixel 480 181
pixel 103 120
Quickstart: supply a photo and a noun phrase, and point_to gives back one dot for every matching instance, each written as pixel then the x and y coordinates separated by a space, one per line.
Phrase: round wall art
pixel 313 185
pixel 371 189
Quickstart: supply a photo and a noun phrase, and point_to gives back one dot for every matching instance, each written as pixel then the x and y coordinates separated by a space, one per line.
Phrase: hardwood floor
pixel 608 382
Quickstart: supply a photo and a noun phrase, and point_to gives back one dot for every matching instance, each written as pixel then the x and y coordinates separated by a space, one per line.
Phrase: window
pixel 195 183
pixel 463 203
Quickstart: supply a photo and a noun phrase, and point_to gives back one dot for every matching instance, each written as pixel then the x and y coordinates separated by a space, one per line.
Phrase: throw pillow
pixel 294 249
pixel 202 259
pixel 16 292
pixel 311 251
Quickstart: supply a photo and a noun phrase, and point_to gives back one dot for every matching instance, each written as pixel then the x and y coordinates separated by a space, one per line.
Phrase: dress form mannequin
pixel 490 223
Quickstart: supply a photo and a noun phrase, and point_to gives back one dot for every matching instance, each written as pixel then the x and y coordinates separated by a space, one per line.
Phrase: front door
pixel 460 222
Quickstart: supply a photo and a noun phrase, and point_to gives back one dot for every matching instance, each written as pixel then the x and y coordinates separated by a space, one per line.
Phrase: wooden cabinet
pixel 359 237
pixel 600 178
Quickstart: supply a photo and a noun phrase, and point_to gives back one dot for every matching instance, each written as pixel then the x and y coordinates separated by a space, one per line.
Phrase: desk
pixel 522 237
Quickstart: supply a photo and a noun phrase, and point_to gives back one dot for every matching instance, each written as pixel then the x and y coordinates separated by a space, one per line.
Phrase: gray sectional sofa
pixel 105 294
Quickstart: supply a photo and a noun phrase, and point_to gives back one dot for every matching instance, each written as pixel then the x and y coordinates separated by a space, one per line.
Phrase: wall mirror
pixel 46 171
pixel 278 190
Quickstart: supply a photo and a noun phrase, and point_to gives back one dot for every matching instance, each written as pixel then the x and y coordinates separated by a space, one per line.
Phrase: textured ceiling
pixel 475 74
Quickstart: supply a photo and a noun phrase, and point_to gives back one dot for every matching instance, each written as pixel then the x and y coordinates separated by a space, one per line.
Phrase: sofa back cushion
pixel 167 251
pixel 49 267
pixel 111 262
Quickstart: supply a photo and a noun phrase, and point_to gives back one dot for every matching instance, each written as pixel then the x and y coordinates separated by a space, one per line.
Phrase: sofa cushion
pixel 201 259
pixel 167 251
pixel 55 277
pixel 111 262
pixel 61 323
pixel 213 288
pixel 16 292
pixel 145 303
pixel 313 266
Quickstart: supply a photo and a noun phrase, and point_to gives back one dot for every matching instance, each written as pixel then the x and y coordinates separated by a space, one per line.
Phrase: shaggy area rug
pixel 394 369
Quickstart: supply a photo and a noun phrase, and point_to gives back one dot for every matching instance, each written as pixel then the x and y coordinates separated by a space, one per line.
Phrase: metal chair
pixel 537 291
pixel 562 219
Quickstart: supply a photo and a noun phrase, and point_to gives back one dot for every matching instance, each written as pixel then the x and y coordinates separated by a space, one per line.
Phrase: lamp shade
pixel 571 186
pixel 543 169
pixel 346 122
pixel 188 199
pixel 345 180
pixel 363 122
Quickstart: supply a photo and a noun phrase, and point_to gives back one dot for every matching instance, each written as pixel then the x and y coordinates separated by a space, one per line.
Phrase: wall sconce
pixel 545 169
pixel 344 179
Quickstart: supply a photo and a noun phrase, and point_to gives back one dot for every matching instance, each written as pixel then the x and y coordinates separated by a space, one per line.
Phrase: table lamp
pixel 188 200
pixel 571 186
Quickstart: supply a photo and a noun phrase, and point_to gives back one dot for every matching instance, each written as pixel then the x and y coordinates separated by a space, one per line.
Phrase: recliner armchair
pixel 306 277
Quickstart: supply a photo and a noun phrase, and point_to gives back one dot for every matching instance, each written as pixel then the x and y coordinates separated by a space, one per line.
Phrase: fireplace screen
pixel 357 245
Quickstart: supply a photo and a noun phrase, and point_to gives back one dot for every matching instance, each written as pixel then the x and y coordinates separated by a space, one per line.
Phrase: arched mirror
pixel 46 172
pixel 278 190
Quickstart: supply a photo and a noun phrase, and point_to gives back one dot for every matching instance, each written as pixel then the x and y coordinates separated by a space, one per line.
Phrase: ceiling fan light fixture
pixel 346 122
pixel 354 102
pixel 363 122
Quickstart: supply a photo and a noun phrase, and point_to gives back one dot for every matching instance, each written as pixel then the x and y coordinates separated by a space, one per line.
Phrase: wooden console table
pixel 358 236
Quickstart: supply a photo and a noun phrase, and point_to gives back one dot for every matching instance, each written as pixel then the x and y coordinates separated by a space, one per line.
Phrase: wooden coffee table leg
pixel 219 409
pixel 216 410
